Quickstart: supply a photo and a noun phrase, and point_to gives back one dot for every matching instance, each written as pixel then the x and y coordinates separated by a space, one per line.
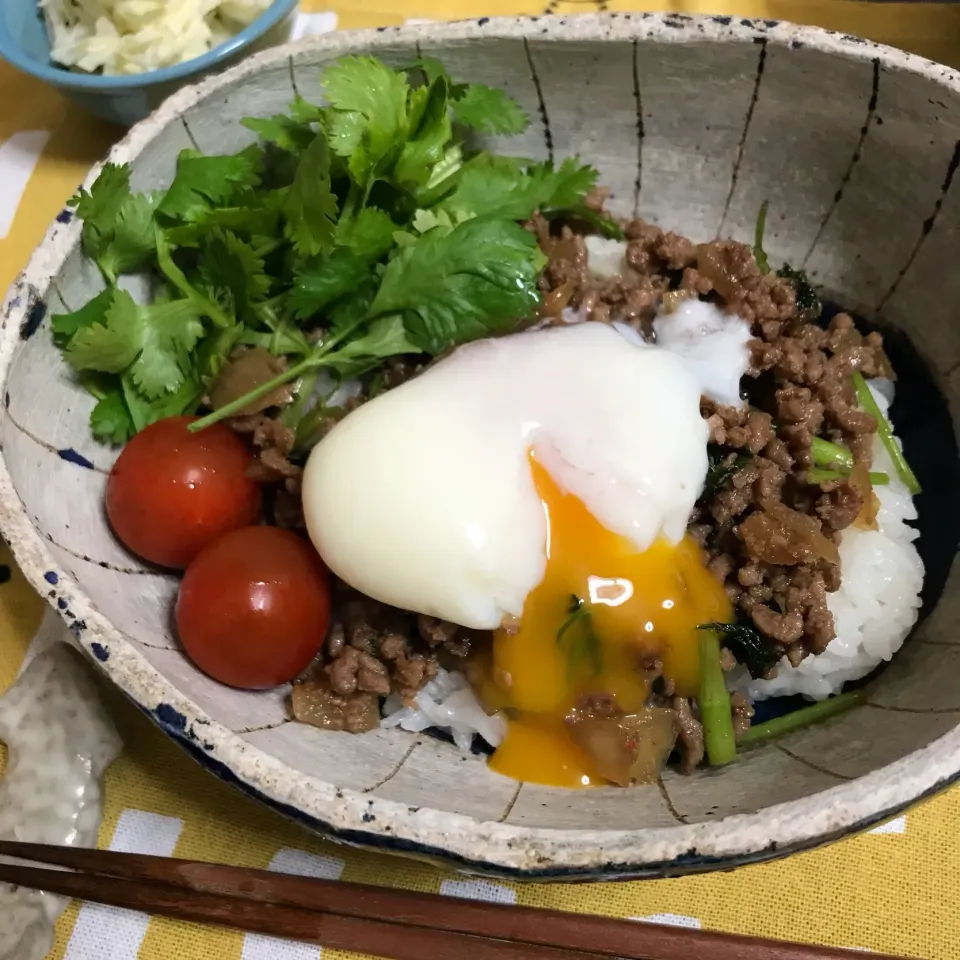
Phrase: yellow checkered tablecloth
pixel 888 890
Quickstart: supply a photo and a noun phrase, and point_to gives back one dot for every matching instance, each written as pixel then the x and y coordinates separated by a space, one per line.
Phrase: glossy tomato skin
pixel 254 607
pixel 172 492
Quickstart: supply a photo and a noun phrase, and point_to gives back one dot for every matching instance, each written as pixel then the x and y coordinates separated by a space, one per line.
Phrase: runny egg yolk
pixel 601 614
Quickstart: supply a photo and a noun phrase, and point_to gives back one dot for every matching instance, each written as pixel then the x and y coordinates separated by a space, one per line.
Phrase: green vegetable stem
pixel 818 475
pixel 885 432
pixel 714 703
pixel 804 717
pixel 831 455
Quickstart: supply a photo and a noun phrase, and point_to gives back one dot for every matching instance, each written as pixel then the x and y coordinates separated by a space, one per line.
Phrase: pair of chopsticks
pixel 385 922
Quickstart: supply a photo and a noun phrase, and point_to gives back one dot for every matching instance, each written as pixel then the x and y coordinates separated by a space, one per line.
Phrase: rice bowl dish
pixel 607 400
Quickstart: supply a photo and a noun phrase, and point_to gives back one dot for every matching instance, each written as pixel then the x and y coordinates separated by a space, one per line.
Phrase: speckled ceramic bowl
pixel 692 123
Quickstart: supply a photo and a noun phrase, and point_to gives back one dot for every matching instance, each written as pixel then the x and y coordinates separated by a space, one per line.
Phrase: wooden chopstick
pixel 385 922
pixel 361 935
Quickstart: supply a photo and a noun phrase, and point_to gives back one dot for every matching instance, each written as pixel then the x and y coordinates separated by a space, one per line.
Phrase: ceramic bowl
pixel 692 123
pixel 125 100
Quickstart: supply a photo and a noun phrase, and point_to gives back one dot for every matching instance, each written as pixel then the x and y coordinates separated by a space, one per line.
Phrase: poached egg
pixel 539 486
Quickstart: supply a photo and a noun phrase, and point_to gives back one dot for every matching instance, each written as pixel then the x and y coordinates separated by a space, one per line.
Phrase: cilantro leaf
pixel 133 238
pixel 284 132
pixel 368 235
pixel 202 183
pixel 178 280
pixel 213 352
pixel 476 280
pixel 303 111
pixel 367 117
pixel 426 147
pixel 386 337
pixel 111 345
pixel 498 189
pixel 110 420
pixel 361 242
pixel 482 108
pixel 117 224
pixel 65 325
pixel 234 272
pixel 311 207
pixel 143 412
pixel 424 220
pixel 416 106
pixel 352 308
pixel 320 282
pixel 443 177
pixel 568 185
pixel 170 332
pixel 488 110
pixel 432 69
pixel 152 341
pixel 100 206
pixel 260 217
pixel 285 340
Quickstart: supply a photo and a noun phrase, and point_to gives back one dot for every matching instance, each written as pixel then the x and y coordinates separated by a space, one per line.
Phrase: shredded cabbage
pixel 134 36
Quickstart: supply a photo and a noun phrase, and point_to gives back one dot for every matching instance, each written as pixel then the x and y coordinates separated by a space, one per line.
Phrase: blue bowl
pixel 125 100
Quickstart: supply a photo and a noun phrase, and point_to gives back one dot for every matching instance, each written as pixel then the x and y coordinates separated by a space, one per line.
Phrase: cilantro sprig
pixel 367 227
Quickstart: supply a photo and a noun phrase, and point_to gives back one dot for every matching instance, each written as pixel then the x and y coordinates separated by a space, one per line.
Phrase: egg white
pixel 423 497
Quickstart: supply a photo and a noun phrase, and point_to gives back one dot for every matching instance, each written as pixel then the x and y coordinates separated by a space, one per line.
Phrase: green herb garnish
pixel 808 303
pixel 369 223
pixel 578 637
pixel 748 646
pixel 885 432
pixel 721 466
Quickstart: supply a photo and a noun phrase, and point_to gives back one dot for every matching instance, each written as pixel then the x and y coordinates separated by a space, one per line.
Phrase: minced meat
pixel 375 649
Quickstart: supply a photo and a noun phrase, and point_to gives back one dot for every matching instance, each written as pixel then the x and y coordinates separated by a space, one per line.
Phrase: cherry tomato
pixel 254 607
pixel 172 492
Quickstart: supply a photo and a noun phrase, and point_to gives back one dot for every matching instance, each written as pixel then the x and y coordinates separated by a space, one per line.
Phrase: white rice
pixel 879 597
pixel 446 703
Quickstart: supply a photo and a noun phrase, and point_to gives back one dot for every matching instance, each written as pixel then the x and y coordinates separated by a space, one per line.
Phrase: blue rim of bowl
pixel 63 77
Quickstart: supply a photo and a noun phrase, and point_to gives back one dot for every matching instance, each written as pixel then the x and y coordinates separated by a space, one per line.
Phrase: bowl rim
pixel 511 851
pixel 12 52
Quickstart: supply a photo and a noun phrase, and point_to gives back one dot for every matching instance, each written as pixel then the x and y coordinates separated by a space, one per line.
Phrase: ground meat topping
pixel 372 648
pixel 770 533
pixel 274 441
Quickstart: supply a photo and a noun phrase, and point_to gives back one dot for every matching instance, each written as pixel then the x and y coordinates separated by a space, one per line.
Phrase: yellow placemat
pixel 889 890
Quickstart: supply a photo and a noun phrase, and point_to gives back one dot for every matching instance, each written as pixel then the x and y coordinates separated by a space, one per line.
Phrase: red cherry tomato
pixel 172 492
pixel 254 607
